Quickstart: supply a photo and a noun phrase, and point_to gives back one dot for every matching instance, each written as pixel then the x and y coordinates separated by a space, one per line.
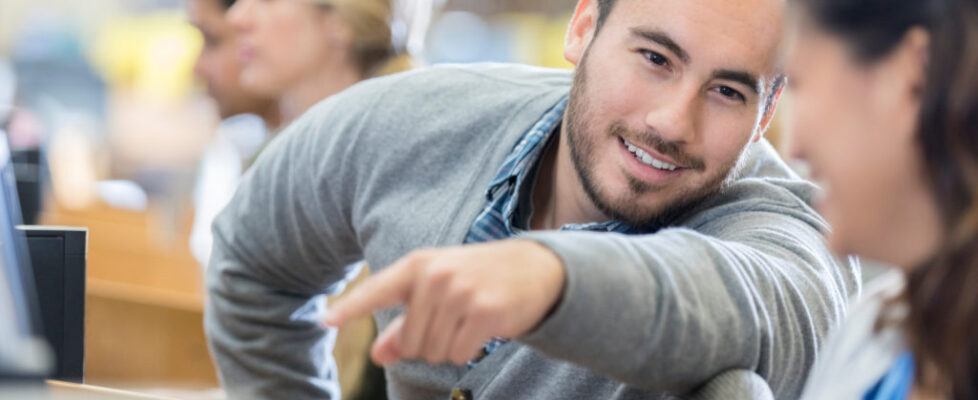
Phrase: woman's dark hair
pixel 872 27
pixel 942 293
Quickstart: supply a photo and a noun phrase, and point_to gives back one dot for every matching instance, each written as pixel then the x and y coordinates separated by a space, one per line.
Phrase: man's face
pixel 218 65
pixel 666 98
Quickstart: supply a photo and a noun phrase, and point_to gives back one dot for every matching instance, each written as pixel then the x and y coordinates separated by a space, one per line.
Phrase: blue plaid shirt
pixel 496 221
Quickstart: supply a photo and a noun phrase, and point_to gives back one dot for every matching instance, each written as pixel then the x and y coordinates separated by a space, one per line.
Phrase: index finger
pixel 386 289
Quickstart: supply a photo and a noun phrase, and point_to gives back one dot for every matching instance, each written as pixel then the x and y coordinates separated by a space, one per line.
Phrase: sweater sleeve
pixel 283 243
pixel 752 290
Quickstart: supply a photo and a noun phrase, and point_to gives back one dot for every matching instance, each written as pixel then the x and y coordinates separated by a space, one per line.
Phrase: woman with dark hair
pixel 885 111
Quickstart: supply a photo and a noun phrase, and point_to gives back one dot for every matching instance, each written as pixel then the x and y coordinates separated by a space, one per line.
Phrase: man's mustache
pixel 655 141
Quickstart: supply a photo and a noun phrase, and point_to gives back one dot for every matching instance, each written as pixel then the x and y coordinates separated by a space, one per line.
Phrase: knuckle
pixel 482 308
pixel 439 274
pixel 463 294
pixel 417 257
pixel 430 344
pixel 433 338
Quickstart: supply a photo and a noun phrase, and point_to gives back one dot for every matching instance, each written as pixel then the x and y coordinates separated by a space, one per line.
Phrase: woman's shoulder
pixel 883 289
pixel 857 354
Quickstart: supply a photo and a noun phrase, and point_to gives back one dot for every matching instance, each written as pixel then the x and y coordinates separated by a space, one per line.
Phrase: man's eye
pixel 730 93
pixel 655 58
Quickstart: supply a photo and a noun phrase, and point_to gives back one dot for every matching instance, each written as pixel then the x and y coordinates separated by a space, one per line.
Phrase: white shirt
pixel 237 139
pixel 857 355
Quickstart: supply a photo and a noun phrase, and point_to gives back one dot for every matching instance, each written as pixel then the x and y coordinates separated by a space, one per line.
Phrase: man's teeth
pixel 646 159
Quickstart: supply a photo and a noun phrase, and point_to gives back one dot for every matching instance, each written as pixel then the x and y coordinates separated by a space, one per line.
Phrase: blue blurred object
pixel 461 37
pixel 52 72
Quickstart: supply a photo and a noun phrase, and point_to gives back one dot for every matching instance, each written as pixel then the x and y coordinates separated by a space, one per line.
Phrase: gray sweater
pixel 744 283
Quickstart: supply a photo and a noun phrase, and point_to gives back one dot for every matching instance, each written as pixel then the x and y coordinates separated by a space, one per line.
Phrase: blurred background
pixel 110 128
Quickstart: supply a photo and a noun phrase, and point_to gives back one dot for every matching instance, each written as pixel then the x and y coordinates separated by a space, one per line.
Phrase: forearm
pixel 672 310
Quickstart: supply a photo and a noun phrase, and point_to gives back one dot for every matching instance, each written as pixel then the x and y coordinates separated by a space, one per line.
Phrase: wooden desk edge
pixel 67 388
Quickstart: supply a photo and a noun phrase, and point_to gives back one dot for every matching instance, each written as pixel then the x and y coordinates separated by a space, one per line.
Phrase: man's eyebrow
pixel 663 39
pixel 742 77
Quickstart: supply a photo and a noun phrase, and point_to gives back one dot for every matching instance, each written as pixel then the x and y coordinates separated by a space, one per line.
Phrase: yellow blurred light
pixel 537 39
pixel 553 38
pixel 152 55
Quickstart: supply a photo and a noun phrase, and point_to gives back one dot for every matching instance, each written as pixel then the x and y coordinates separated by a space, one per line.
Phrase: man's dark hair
pixel 604 9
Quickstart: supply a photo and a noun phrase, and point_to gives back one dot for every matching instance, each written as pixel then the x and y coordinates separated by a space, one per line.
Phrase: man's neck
pixel 558 195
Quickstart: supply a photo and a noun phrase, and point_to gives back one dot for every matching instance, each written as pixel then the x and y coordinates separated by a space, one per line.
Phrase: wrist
pixel 554 281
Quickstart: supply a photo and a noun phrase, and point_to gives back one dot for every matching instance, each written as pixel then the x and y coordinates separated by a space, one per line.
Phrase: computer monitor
pixel 58 258
pixel 23 351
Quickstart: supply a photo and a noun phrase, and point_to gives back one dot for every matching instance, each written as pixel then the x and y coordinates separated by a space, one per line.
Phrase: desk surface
pixel 72 391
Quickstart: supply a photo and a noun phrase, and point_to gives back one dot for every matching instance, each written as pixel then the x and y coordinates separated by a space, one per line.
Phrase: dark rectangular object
pixel 30 171
pixel 58 255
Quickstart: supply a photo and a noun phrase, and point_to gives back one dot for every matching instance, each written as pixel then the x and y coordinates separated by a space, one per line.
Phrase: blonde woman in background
pixel 292 53
pixel 303 51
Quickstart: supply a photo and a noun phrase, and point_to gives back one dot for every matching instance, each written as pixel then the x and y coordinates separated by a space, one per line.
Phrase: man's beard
pixel 624 208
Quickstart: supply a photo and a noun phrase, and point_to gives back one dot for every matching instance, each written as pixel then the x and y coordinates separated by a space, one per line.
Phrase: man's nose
pixel 675 118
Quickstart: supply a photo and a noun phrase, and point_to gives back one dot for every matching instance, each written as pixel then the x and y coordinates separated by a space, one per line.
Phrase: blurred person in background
pixel 240 134
pixel 885 98
pixel 303 51
pixel 300 52
pixel 275 59
pixel 220 67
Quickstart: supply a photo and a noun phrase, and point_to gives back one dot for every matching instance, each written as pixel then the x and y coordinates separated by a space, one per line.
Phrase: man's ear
pixel 768 115
pixel 581 30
